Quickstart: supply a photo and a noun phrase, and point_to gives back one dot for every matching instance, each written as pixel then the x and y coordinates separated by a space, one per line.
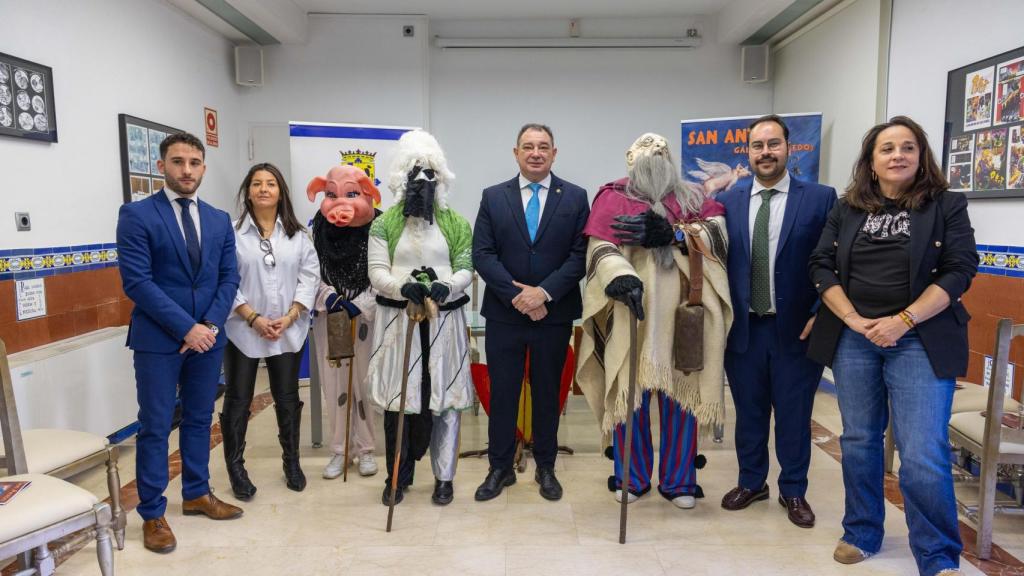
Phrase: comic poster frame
pixel 955 120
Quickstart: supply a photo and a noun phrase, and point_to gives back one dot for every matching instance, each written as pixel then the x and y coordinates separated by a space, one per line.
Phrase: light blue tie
pixel 533 211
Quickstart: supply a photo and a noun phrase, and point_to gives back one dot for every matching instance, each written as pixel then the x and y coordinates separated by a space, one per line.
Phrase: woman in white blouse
pixel 279 278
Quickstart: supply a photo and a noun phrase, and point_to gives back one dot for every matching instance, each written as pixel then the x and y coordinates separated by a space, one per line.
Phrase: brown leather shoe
pixel 799 511
pixel 157 536
pixel 210 506
pixel 739 498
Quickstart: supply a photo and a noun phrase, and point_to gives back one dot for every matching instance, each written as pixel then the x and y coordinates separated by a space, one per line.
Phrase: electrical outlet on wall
pixel 23 222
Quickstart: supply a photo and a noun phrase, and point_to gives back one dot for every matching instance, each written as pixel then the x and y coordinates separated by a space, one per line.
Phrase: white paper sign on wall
pixel 31 296
pixel 1009 375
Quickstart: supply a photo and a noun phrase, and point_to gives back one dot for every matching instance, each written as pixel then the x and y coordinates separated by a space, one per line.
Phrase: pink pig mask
pixel 349 196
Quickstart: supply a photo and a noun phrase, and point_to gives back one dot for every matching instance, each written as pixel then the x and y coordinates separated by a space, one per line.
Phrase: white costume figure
pixel 340 234
pixel 418 249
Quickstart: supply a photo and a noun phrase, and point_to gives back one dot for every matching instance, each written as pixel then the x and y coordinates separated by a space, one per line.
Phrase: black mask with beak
pixel 419 193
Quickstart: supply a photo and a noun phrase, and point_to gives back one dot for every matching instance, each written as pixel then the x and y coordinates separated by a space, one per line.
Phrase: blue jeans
pixel 868 380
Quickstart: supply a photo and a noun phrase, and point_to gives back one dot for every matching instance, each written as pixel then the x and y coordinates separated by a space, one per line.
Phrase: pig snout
pixel 341 215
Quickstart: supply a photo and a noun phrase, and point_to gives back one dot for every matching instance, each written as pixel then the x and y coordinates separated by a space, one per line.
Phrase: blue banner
pixel 714 151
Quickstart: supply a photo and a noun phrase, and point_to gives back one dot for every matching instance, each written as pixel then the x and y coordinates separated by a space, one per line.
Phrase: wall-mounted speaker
pixel 755 65
pixel 249 65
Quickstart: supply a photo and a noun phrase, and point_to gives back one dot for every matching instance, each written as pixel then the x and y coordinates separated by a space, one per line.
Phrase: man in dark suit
pixel 774 222
pixel 529 248
pixel 177 262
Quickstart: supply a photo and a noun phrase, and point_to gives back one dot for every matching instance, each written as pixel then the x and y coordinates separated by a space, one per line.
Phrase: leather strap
pixel 696 249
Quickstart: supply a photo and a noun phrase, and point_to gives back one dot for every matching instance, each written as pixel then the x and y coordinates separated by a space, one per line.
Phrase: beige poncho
pixel 603 360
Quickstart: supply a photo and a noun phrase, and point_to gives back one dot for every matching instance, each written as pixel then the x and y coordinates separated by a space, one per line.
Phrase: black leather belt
pixel 454 304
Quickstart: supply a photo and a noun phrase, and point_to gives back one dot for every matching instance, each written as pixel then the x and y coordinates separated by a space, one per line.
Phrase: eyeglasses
pixel 773 145
pixel 268 253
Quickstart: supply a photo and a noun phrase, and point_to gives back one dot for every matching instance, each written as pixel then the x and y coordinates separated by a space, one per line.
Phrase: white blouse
pixel 270 290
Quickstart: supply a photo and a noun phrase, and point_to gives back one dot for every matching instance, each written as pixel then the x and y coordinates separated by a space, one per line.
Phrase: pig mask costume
pixel 340 233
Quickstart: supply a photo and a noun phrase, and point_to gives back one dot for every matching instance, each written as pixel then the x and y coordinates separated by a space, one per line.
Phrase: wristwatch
pixel 213 327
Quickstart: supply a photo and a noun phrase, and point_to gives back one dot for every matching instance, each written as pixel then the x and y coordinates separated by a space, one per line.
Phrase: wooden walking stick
pixel 416 314
pixel 628 449
pixel 348 417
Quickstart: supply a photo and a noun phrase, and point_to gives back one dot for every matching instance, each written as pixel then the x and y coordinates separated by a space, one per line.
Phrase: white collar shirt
pixel 193 209
pixel 775 216
pixel 270 290
pixel 527 192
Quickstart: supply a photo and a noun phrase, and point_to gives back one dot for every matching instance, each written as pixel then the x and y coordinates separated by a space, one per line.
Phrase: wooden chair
pixel 988 438
pixel 49 508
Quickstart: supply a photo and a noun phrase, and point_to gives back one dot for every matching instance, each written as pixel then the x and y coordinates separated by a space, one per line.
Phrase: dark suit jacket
pixel 502 250
pixel 807 208
pixel 157 275
pixel 942 252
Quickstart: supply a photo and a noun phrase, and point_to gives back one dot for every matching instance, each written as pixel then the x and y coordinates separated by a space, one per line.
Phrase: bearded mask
pixel 349 196
pixel 421 185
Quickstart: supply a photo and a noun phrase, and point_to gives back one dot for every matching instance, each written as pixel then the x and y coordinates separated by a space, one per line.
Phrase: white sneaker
pixel 685 501
pixel 367 465
pixel 632 497
pixel 334 467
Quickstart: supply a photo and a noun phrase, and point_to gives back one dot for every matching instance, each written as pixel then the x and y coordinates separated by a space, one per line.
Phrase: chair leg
pixel 104 551
pixel 986 507
pixel 44 562
pixel 114 487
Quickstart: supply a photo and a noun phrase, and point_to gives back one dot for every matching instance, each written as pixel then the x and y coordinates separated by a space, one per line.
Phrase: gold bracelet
pixel 848 314
pixel 253 317
pixel 906 319
pixel 913 317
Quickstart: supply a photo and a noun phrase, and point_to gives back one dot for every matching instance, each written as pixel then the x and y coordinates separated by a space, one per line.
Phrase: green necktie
pixel 760 282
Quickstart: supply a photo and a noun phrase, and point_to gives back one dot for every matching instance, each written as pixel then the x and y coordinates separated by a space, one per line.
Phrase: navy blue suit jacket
pixel 157 275
pixel 555 261
pixel 807 209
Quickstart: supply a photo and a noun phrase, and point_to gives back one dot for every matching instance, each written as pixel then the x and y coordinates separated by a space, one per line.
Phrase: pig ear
pixel 316 185
pixel 368 188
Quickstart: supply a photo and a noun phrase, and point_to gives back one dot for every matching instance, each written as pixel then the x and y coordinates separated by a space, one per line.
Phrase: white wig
pixel 417 147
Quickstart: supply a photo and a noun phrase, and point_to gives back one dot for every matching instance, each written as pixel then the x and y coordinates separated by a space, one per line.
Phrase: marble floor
pixel 338 528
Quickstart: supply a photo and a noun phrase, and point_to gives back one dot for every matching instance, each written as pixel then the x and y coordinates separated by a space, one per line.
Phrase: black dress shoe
pixel 739 498
pixel 798 510
pixel 385 499
pixel 443 492
pixel 494 483
pixel 550 489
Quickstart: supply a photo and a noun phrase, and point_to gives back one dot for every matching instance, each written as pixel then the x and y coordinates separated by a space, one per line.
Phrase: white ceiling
pixel 287 20
pixel 487 9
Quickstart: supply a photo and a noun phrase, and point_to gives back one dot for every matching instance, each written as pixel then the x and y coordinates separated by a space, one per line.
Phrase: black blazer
pixel 502 250
pixel 942 252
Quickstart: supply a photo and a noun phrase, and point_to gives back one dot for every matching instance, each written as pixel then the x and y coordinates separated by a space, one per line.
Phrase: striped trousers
pixel 677 474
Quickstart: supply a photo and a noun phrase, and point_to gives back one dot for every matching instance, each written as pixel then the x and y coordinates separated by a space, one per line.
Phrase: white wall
pixel 142 58
pixel 832 68
pixel 354 69
pixel 597 101
pixel 932 37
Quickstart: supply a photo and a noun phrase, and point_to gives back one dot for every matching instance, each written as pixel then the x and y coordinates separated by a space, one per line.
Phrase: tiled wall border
pixel 25 263
pixel 1001 260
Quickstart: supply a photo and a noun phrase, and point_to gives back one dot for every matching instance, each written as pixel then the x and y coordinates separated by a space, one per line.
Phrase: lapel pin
pixel 558 190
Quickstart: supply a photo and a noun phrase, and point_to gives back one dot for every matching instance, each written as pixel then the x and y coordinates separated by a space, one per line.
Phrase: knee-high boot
pixel 233 425
pixel 288 421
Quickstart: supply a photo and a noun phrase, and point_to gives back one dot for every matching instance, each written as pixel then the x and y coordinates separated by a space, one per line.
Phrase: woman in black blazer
pixel 894 259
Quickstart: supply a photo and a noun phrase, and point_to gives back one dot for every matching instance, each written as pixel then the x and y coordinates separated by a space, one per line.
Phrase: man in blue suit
pixel 774 222
pixel 529 248
pixel 177 262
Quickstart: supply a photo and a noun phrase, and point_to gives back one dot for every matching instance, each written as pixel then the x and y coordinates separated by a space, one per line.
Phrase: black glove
pixel 335 303
pixel 415 292
pixel 630 291
pixel 439 292
pixel 648 230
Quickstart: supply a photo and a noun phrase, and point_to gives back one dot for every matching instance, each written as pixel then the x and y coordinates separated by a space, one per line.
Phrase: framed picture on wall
pixel 983 147
pixel 26 100
pixel 140 150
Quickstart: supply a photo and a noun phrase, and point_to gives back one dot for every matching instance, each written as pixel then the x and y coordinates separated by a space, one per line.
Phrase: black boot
pixel 232 429
pixel 288 420
pixel 443 492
